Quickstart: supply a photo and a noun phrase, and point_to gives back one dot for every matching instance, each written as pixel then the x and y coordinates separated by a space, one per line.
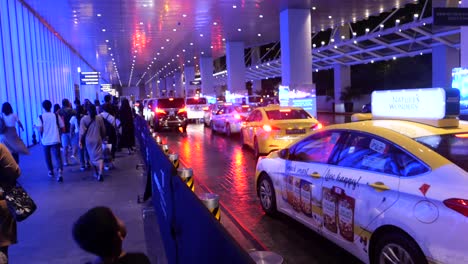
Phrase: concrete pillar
pixel 464 41
pixel 179 89
pixel 342 78
pixel 189 73
pixel 235 67
pixel 296 48
pixel 206 72
pixel 170 85
pixel 162 87
pixel 255 60
pixel 444 59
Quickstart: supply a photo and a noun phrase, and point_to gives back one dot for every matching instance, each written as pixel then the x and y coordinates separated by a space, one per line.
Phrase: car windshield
pixel 286 114
pixel 196 101
pixel 453 147
pixel 244 109
pixel 171 103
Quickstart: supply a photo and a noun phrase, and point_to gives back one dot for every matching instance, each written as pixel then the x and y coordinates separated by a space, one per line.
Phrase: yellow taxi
pixel 386 189
pixel 274 127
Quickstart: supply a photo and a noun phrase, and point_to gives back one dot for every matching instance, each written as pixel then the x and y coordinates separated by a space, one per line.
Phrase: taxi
pixel 386 189
pixel 274 127
pixel 229 118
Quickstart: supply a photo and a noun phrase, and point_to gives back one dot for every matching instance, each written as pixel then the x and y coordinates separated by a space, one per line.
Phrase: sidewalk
pixel 46 236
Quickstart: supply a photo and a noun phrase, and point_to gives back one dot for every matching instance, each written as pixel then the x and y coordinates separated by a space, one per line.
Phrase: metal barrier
pixel 189 232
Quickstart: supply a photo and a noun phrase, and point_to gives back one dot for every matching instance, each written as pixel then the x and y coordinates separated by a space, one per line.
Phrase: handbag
pixel 20 204
pixel 83 137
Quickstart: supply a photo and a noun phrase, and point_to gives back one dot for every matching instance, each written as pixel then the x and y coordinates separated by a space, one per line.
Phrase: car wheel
pixel 227 129
pixel 212 127
pixel 256 149
pixel 266 192
pixel 397 247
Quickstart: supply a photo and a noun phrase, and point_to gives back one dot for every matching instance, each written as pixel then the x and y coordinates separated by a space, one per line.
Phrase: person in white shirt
pixel 10 137
pixel 49 125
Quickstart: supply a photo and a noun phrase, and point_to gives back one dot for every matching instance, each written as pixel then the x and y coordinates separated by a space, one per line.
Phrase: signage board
pixel 89 78
pixel 195 82
pixel 450 16
pixel 428 103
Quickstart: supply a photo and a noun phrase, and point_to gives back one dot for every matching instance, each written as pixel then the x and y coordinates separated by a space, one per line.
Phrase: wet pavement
pixel 222 166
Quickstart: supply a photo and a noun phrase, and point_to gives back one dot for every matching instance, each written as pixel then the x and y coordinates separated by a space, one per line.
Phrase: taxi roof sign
pixel 427 103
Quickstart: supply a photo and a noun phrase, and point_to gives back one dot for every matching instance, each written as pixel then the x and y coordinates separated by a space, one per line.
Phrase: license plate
pixel 295 131
pixel 171 113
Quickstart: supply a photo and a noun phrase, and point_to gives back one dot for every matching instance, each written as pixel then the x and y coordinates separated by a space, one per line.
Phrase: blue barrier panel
pixel 188 230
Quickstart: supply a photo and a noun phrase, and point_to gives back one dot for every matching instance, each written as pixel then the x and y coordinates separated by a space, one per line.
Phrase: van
pixel 196 107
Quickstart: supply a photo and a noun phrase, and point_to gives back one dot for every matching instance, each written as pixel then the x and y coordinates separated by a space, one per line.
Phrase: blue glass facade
pixel 34 65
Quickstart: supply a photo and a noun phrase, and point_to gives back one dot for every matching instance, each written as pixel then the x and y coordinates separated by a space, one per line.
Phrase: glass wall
pixel 34 65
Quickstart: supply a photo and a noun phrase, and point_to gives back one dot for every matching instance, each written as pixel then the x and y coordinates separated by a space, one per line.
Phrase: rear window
pixel 171 103
pixel 285 114
pixel 196 101
pixel 453 147
pixel 240 109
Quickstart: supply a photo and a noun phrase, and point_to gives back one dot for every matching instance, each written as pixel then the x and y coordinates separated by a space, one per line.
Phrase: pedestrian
pixel 112 125
pixel 92 133
pixel 84 156
pixel 127 139
pixel 108 105
pixel 10 137
pixel 100 232
pixel 66 114
pixel 9 172
pixel 56 108
pixel 49 125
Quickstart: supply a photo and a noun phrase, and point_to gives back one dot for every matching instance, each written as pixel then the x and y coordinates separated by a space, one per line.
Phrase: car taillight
pixel 317 126
pixel 237 116
pixel 459 205
pixel 159 111
pixel 269 128
pixel 206 108
pixel 182 110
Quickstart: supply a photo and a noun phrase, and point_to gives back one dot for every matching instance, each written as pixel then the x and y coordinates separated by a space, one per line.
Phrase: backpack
pixel 110 130
pixel 66 115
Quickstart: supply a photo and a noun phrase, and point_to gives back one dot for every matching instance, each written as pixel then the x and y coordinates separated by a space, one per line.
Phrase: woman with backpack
pixel 9 135
pixel 92 133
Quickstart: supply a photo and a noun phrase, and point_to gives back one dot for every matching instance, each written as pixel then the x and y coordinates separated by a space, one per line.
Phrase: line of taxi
pixel 391 187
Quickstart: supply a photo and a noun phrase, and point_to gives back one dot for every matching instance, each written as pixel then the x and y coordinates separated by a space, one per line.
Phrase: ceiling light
pixel 188 61
pixel 172 59
pixel 211 46
pixel 223 39
pixel 107 41
pixel 191 43
pixel 74 15
pixel 259 34
pixel 177 55
pixel 154 58
pixel 313 45
pixel 194 57
pixel 234 6
pixel 184 15
pixel 260 16
pixel 76 22
pixel 167 40
pixel 175 29
pixel 239 29
pixel 372 61
pixel 98 15
pixel 157 53
pixel 74 11
pixel 141 23
pixel 109 48
pixel 313 8
pixel 330 17
pixel 112 54
pixel 183 50
pixel 103 30
pixel 201 35
pixel 268 64
pixel 215 23
pixel 394 58
pixel 162 47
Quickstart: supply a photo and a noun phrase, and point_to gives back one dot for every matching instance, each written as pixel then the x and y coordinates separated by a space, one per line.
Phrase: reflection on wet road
pixel 221 165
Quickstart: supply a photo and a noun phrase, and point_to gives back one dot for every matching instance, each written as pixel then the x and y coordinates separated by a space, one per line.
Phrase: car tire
pixel 212 127
pixel 266 193
pixel 399 248
pixel 256 148
pixel 227 129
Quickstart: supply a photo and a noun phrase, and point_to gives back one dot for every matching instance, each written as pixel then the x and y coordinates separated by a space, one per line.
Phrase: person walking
pixel 127 139
pixel 49 125
pixel 66 114
pixel 9 172
pixel 111 124
pixel 10 137
pixel 92 133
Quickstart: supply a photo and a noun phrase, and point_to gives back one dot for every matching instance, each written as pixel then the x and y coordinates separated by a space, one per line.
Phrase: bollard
pixel 158 140
pixel 266 257
pixel 187 176
pixel 211 201
pixel 151 130
pixel 154 134
pixel 174 158
pixel 165 149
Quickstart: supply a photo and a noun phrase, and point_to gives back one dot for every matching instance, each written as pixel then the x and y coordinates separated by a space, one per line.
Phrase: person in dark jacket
pixel 100 232
pixel 127 140
pixel 66 114
pixel 9 172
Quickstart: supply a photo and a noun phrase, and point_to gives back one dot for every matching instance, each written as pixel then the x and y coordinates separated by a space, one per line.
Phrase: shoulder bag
pixel 83 138
pixel 20 204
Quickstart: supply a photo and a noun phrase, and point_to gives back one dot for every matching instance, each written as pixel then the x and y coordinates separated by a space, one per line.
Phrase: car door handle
pixel 379 186
pixel 315 175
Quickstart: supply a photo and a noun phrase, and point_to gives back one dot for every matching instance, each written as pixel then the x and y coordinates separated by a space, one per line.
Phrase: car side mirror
pixel 284 153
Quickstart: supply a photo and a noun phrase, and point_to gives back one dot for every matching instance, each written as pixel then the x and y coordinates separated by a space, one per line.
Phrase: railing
pixel 190 233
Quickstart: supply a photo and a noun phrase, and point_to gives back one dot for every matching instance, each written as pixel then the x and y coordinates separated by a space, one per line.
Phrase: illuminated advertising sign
pixel 460 82
pixel 89 78
pixel 283 95
pixel 427 103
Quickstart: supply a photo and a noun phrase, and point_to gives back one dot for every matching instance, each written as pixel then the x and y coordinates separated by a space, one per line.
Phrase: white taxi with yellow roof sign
pixel 388 190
